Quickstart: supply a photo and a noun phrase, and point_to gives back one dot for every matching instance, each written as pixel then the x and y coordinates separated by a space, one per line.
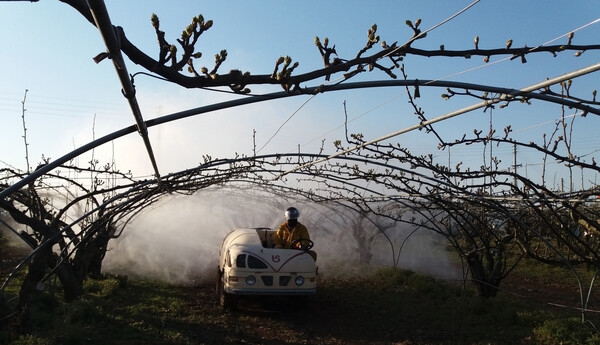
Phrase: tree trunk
pixel 89 256
pixel 487 283
pixel 71 283
pixel 31 285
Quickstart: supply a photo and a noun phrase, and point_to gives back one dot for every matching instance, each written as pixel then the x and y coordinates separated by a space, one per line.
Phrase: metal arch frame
pixel 506 94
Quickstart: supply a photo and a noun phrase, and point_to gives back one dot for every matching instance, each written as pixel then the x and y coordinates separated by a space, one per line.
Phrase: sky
pixel 46 68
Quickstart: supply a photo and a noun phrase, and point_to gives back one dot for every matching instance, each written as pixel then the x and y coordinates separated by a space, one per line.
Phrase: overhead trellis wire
pixel 485 103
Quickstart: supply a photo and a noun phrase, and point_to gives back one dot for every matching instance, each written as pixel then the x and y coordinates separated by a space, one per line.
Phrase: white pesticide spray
pixel 178 240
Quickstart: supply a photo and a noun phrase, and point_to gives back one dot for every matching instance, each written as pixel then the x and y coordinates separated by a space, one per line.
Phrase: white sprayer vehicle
pixel 249 264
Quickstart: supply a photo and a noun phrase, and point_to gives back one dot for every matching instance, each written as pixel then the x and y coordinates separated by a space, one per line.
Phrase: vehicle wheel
pixel 226 300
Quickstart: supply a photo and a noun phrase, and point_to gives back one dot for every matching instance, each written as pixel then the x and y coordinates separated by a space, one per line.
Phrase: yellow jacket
pixel 284 237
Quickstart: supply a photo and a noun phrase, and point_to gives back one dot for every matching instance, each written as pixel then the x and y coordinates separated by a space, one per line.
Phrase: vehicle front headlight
pixel 299 280
pixel 250 280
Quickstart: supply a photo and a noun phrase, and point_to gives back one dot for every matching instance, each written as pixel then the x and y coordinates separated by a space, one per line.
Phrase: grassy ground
pixel 388 307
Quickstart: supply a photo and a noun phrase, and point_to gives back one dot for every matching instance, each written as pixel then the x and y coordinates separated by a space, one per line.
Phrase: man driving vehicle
pixel 291 231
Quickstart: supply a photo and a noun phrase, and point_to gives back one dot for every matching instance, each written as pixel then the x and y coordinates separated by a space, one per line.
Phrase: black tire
pixel 226 300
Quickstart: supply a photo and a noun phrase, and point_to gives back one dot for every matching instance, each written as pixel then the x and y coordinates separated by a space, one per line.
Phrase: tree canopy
pixel 491 214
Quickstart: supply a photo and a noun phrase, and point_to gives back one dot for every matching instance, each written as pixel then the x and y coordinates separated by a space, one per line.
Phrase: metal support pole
pixel 113 46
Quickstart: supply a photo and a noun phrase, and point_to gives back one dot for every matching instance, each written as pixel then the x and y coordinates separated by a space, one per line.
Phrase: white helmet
pixel 292 213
